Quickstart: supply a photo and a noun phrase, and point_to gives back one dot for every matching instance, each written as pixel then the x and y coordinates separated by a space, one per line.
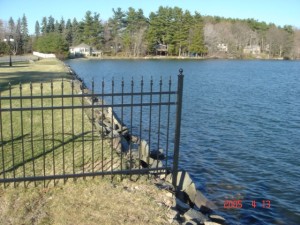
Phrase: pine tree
pixel 24 33
pixel 68 33
pixel 97 34
pixel 62 25
pixel 88 28
pixel 117 23
pixel 11 26
pixel 196 36
pixel 51 24
pixel 77 29
pixel 37 29
pixel 18 43
pixel 134 33
pixel 44 28
pixel 57 27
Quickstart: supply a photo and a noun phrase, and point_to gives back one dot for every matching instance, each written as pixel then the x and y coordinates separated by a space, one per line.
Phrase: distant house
pixel 81 50
pixel 161 49
pixel 252 49
pixel 222 47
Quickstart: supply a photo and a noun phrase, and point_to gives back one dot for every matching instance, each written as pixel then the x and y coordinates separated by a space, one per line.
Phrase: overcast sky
pixel 280 12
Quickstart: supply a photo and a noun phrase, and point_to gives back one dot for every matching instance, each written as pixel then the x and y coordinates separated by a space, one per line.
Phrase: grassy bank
pixel 93 201
pixel 50 141
pixel 96 201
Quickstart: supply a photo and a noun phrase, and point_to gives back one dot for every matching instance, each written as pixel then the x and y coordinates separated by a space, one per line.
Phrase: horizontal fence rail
pixel 59 130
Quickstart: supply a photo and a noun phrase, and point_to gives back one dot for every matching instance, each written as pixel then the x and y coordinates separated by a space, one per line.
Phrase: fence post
pixel 177 127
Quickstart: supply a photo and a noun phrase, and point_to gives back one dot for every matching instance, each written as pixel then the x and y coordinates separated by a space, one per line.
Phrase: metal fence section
pixel 60 130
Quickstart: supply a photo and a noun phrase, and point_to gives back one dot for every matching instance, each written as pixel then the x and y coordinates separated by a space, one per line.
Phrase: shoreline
pixel 190 204
pixel 179 58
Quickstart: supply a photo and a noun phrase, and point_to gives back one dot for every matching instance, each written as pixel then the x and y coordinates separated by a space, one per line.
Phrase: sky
pixel 280 12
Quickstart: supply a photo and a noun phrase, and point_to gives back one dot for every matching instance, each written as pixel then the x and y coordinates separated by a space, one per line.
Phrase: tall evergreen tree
pixel 133 37
pixel 68 33
pixel 196 36
pixel 24 33
pixel 11 26
pixel 44 28
pixel 88 28
pixel 62 25
pixel 77 29
pixel 18 43
pixel 37 29
pixel 57 27
pixel 117 24
pixel 51 24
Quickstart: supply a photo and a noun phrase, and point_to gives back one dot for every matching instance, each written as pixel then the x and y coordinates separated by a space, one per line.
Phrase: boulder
pixel 181 206
pixel 144 149
pixel 195 215
pixel 134 147
pixel 157 154
pixel 203 204
pixel 144 153
pixel 114 134
pixel 125 145
pixel 172 214
pixel 117 145
pixel 191 222
pixel 191 191
pixel 217 218
pixel 183 180
pixel 156 164
pixel 210 223
pixel 135 139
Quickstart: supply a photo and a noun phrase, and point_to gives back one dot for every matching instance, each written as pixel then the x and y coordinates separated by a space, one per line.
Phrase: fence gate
pixel 61 129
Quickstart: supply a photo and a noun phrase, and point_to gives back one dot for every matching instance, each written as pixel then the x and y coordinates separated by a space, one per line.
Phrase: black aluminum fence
pixel 46 137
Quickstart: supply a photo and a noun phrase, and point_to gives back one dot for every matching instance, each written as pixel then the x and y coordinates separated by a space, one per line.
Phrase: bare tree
pixel 242 36
pixel 296 45
pixel 3 28
pixel 211 38
pixel 276 40
pixel 139 47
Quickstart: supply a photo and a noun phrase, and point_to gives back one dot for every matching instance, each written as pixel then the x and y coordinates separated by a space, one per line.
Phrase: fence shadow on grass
pixel 41 154
pixel 26 77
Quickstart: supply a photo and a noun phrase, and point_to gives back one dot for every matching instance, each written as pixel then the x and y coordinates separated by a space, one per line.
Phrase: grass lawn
pixel 96 201
pixel 55 146
pixel 48 142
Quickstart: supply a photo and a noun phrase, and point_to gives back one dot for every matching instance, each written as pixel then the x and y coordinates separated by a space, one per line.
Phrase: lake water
pixel 240 130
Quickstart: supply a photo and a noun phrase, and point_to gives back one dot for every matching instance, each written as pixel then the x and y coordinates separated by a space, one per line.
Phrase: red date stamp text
pixel 238 204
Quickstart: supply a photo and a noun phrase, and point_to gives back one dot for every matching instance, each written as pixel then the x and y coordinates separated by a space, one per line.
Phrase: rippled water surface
pixel 240 130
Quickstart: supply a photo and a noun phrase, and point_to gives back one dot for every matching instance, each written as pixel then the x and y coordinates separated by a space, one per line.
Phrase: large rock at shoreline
pixel 195 215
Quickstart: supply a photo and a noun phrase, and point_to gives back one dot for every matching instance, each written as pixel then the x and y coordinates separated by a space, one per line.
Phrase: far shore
pixel 178 58
pixel 4 59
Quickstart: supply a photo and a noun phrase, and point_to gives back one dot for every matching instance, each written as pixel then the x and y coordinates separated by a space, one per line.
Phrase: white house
pixel 252 49
pixel 82 49
pixel 222 47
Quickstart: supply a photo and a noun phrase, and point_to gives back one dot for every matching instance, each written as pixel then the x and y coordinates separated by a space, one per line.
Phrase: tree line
pixel 168 31
pixel 19 30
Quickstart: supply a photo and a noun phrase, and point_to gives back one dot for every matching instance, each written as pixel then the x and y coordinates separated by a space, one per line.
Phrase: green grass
pixel 38 71
pixel 49 142
pixel 84 201
pixel 96 201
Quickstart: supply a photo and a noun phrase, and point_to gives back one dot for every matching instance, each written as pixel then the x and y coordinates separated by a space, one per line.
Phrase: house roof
pixel 82 45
